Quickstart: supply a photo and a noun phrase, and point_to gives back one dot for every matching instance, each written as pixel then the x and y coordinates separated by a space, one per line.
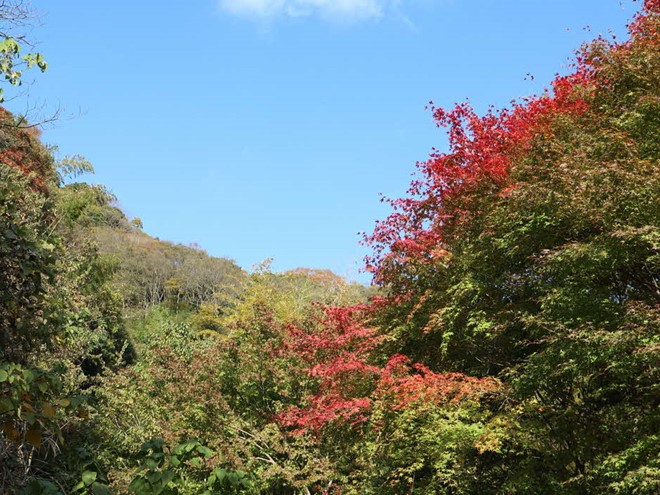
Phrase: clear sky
pixel 267 128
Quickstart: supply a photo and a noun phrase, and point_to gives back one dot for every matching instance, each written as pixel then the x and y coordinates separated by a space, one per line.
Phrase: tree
pixel 60 323
pixel 529 252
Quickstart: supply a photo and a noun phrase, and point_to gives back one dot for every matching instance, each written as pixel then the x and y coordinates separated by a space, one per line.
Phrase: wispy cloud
pixel 345 10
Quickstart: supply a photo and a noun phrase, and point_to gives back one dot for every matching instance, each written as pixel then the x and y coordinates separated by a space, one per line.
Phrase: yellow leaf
pixel 10 431
pixel 48 410
pixel 33 437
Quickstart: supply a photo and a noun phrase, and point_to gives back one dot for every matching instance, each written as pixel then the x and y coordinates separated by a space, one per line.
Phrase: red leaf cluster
pixel 20 148
pixel 652 6
pixel 404 384
pixel 481 149
pixel 339 356
pixel 336 354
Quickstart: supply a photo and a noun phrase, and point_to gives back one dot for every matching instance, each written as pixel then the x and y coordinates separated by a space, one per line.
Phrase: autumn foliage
pixel 482 149
pixel 21 149
pixel 514 345
pixel 528 252
pixel 511 345
pixel 340 353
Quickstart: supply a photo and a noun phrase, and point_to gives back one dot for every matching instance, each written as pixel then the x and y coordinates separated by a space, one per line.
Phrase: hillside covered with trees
pixel 510 344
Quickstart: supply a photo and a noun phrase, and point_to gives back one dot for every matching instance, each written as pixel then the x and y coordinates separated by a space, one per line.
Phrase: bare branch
pixel 17 19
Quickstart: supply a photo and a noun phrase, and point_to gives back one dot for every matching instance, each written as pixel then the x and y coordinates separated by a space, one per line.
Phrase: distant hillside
pixel 148 271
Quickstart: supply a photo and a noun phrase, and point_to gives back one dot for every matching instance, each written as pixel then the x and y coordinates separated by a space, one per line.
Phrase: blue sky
pixel 268 128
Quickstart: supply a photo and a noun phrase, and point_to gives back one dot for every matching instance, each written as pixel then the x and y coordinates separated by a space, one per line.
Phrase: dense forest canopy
pixel 510 346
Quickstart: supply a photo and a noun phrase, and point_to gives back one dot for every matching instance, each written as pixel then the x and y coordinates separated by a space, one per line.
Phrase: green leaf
pixel 205 451
pixel 40 487
pixel 154 477
pixel 100 489
pixel 168 476
pixel 9 45
pixel 220 474
pixel 188 446
pixel 6 405
pixel 89 477
pixel 140 486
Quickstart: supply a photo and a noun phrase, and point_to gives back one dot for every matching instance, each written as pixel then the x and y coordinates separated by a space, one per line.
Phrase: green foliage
pixel 71 167
pixel 27 264
pixel 60 325
pixel 85 206
pixel 38 486
pixel 287 296
pixel 425 450
pixel 224 392
pixel 31 403
pixel 151 272
pixel 11 62
pixel 34 409
pixel 208 319
pixel 92 481
pixel 14 15
pixel 183 470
